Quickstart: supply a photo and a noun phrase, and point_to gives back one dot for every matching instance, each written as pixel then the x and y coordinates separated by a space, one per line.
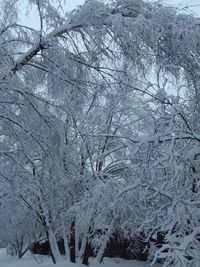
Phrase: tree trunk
pixel 72 243
pixel 66 243
pixel 50 251
pixel 83 246
pixel 102 248
pixel 86 254
pixel 86 248
pixel 76 241
pixel 53 249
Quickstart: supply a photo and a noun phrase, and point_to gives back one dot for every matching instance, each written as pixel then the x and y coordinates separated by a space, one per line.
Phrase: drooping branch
pixel 36 48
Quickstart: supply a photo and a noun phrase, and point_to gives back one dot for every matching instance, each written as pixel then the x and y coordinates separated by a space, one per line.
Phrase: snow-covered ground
pixel 30 260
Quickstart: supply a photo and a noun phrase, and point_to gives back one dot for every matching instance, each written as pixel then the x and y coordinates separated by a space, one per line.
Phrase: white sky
pixel 33 21
pixel 194 5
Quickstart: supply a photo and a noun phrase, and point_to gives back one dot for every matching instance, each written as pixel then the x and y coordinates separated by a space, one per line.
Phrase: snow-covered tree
pixel 99 122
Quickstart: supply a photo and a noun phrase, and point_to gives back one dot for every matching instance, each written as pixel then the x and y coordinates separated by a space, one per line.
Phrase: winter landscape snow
pixel 99 134
pixel 30 260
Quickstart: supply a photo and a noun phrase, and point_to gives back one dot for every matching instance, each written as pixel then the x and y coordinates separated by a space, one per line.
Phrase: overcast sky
pixel 194 5
pixel 33 20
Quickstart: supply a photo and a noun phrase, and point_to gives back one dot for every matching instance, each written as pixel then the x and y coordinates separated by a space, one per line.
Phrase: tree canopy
pixel 99 127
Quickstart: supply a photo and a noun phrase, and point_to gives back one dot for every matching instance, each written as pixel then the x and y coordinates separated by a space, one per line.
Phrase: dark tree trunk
pixel 86 254
pixel 23 253
pixel 19 246
pixel 72 243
